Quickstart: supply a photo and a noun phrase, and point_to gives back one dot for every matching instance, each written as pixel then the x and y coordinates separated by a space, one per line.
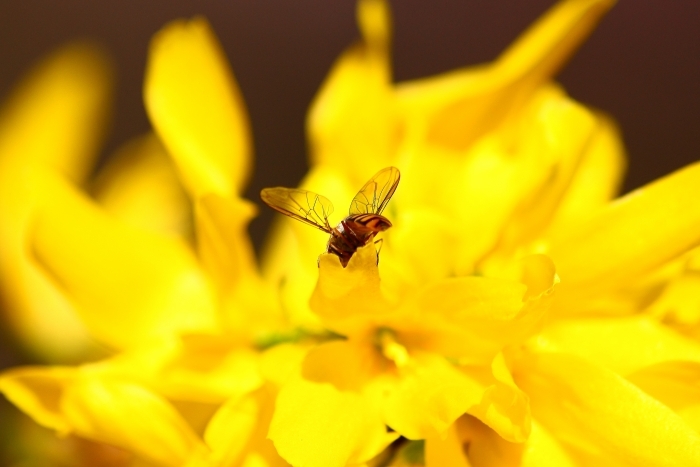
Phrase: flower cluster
pixel 520 314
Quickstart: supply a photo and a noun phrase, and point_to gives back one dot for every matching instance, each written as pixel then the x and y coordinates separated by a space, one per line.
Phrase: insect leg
pixel 380 242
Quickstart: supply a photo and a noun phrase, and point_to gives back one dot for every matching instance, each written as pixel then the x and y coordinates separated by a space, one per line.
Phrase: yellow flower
pixel 462 347
pixel 127 261
pixel 54 121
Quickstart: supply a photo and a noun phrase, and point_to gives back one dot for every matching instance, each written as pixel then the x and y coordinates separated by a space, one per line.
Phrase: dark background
pixel 642 65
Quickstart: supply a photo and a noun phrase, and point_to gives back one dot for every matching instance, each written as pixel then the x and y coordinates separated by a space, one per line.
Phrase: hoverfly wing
pixel 375 195
pixel 303 205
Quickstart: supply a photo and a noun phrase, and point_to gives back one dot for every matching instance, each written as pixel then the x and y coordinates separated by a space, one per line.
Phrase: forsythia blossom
pixel 520 314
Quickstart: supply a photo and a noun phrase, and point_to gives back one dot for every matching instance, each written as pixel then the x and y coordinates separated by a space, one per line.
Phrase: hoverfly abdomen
pixel 358 229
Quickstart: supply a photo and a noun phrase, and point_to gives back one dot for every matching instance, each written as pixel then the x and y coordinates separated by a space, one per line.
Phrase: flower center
pixel 391 348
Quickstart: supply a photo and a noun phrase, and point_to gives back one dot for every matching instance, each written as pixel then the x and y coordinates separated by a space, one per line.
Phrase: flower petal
pixel 600 414
pixel 37 391
pixel 630 237
pixel 482 98
pixel 504 407
pixel 472 318
pixel 224 245
pixel 430 395
pixel 131 417
pixel 195 106
pixel 139 186
pixel 115 412
pixel 317 425
pixel 152 288
pixel 676 384
pixel 237 434
pixel 205 369
pixel 54 121
pixel 335 298
pixel 56 117
pixel 449 450
pixel 597 179
pixel 352 123
pixel 623 345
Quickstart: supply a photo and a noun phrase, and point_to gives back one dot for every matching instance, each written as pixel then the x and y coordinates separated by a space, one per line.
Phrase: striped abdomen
pixel 354 232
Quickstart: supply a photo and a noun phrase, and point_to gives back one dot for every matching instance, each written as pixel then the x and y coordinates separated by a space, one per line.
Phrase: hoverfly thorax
pixel 358 229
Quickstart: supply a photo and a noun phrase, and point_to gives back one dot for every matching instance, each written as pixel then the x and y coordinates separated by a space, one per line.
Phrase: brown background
pixel 642 65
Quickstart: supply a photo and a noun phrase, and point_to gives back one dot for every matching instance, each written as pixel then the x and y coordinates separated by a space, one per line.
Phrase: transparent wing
pixel 303 205
pixel 375 195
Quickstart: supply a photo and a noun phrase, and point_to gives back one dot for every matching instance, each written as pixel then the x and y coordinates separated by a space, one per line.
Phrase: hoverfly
pixel 364 221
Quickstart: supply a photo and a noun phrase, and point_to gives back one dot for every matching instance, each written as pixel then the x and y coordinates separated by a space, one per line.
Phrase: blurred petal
pixel 130 417
pixel 152 287
pixel 679 303
pixel 55 121
pixel 230 429
pixel 139 186
pixel 631 236
pixel 37 391
pixel 195 106
pixel 237 434
pixel 352 123
pixel 623 345
pixel 597 179
pixel 197 368
pixel 317 425
pixel 557 137
pixel 440 452
pixel 110 411
pixel 465 105
pixel 56 117
pixel 676 384
pixel 599 413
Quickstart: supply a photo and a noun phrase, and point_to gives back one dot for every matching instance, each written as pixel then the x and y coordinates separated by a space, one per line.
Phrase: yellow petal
pixel 430 395
pixel 196 108
pixel 139 186
pixel 631 236
pixel 543 450
pixel 196 368
pixel 555 140
pixel 130 417
pixel 347 365
pixel 676 384
pixel 441 452
pixel 317 425
pixel 237 434
pixel 504 407
pixel 55 121
pixel 230 429
pixel 352 123
pixel 481 99
pixel 623 345
pixel 679 303
pixel 282 362
pixel 224 245
pixel 472 318
pixel 56 117
pixel 335 299
pixel 600 414
pixel 130 286
pixel 597 179
pixel 107 410
pixel 37 391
